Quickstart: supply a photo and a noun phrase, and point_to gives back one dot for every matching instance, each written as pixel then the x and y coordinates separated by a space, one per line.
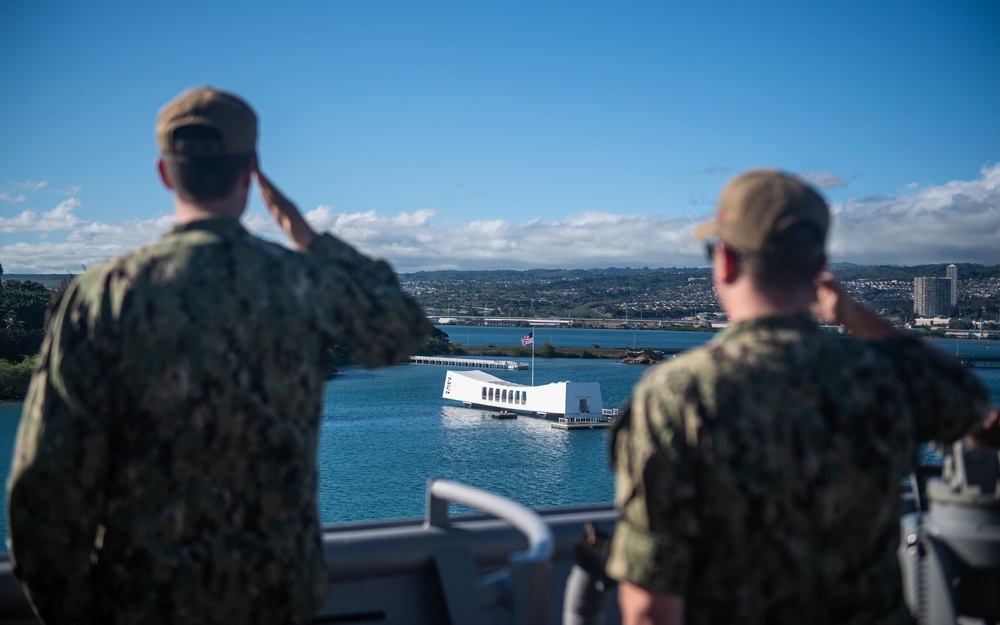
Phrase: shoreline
pixel 605 353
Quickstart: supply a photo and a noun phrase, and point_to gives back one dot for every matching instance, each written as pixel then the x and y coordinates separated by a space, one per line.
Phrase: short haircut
pixel 793 261
pixel 771 272
pixel 204 176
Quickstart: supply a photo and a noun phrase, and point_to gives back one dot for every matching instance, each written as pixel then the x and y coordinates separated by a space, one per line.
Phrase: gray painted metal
pixel 950 553
pixel 413 572
pixel 539 535
pixel 524 585
pixel 463 569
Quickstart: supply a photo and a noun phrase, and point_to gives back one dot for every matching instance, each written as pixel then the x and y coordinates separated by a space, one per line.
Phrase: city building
pixel 932 296
pixel 952 274
pixel 930 322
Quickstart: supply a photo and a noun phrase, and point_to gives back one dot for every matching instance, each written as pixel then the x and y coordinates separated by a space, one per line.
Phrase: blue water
pixel 385 432
pixel 572 337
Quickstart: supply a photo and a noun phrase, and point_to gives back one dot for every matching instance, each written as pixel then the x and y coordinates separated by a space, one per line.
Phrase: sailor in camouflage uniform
pixel 757 477
pixel 165 464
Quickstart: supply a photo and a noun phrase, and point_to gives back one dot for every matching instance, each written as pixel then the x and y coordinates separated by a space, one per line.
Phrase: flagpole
pixel 530 338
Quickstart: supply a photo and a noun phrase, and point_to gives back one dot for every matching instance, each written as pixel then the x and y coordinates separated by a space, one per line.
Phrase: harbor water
pixel 385 432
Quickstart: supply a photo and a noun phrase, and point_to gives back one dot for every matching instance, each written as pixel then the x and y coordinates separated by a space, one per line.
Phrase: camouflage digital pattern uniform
pixel 165 463
pixel 758 476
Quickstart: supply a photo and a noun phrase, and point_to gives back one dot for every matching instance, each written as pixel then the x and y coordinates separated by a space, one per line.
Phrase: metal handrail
pixel 440 492
pixel 524 587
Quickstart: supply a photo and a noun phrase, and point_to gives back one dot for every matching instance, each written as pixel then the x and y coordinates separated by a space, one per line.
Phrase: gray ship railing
pixel 509 565
pixel 524 584
pixel 512 567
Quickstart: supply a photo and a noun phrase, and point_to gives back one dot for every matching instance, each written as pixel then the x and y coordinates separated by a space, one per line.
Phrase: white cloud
pixel 822 179
pixel 29 185
pixel 414 241
pixel 54 257
pixel 21 223
pixel 72 189
pixel 82 242
pixel 954 222
pixel 59 218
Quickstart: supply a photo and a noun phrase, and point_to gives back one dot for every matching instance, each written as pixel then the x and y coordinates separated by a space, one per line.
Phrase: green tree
pixel 437 343
pixel 14 378
pixel 546 350
pixel 22 318
pixel 27 301
pixel 16 342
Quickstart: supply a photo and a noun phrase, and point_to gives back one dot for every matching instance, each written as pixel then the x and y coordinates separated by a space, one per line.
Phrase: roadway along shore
pixel 556 352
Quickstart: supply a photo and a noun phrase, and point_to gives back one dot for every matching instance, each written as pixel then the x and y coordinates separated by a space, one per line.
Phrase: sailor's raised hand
pixel 830 297
pixel 285 213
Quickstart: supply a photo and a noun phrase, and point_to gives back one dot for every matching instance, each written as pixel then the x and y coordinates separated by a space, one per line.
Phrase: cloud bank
pixel 955 222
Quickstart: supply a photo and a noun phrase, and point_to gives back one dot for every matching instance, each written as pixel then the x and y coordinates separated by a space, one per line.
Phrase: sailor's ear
pixel 164 177
pixel 725 264
pixel 729 263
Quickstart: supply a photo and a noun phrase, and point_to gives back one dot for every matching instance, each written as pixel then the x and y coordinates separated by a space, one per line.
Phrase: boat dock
pixel 605 420
pixel 473 363
pixel 981 360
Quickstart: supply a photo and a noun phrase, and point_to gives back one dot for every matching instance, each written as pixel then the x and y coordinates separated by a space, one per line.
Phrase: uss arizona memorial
pixel 574 404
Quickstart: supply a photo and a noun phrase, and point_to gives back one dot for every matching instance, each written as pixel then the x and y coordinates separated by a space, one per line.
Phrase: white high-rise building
pixel 952 273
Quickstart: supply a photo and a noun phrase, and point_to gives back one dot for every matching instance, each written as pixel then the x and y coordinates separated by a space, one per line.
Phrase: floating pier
pixel 981 361
pixel 605 420
pixel 473 363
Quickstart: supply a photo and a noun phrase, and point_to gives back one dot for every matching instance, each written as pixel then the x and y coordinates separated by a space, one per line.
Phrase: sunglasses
pixel 710 249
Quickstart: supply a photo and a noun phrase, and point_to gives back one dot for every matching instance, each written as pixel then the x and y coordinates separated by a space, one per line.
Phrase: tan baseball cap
pixel 757 209
pixel 232 119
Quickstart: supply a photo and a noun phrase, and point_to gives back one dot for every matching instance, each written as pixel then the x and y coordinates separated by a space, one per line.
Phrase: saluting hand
pixel 285 213
pixel 835 306
pixel 829 296
pixel 989 433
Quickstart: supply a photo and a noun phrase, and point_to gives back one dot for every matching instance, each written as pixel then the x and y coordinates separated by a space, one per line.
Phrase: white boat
pixel 477 389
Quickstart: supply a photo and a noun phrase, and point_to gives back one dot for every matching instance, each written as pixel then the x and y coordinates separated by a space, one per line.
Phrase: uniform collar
pixel 785 321
pixel 221 225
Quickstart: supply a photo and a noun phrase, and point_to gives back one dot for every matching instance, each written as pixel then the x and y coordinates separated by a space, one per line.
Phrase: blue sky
pixel 512 134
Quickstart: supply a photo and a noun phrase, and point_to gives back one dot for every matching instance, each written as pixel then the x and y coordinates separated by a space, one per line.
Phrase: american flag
pixel 528 339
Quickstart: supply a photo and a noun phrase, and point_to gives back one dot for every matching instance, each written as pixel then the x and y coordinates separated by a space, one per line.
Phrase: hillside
pixel 667 293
